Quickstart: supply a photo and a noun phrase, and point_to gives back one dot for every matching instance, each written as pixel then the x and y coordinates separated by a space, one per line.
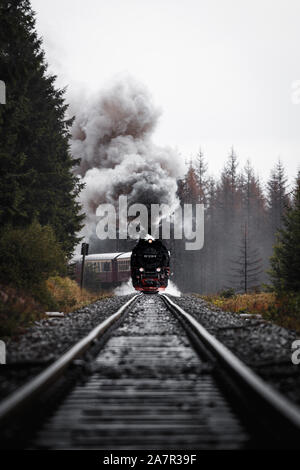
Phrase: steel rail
pixel 37 384
pixel 288 412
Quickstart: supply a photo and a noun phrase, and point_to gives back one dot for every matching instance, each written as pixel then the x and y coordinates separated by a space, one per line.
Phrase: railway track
pixel 158 380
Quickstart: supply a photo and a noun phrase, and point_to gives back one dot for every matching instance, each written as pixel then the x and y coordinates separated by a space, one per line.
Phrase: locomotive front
pixel 150 266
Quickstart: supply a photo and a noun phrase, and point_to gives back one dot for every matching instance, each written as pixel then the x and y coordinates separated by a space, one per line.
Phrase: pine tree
pixel 285 263
pixel 228 203
pixel 36 167
pixel 278 199
pixel 186 265
pixel 228 192
pixel 202 180
pixel 212 244
pixel 253 199
pixel 190 189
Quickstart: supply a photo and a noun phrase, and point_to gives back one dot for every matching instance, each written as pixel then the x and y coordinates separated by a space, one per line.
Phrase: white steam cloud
pixel 125 288
pixel 172 289
pixel 112 135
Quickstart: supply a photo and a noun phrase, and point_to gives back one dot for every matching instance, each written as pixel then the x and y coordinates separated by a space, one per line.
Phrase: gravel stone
pixel 48 339
pixel 262 345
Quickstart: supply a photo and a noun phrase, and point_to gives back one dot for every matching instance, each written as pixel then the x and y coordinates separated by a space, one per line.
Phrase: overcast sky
pixel 222 71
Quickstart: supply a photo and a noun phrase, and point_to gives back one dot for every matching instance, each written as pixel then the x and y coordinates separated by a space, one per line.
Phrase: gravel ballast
pixel 262 345
pixel 49 338
pixel 265 347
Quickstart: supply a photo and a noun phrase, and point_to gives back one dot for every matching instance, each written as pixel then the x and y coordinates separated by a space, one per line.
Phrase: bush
pixel 65 291
pixel 31 262
pixel 227 293
pixel 17 311
pixel 29 256
pixel 286 311
pixel 68 295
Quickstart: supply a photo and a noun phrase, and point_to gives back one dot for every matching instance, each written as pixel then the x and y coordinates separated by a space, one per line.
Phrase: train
pixel 148 266
pixel 109 269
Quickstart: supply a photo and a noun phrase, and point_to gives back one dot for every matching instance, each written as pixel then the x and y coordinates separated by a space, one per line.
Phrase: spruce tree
pixel 190 186
pixel 201 174
pixel 278 199
pixel 253 200
pixel 37 181
pixel 285 263
pixel 228 192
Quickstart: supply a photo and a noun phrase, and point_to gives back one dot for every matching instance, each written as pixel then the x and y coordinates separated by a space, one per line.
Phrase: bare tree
pixel 246 268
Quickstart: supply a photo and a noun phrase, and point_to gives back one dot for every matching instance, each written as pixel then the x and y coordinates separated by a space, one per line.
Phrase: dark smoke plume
pixel 112 135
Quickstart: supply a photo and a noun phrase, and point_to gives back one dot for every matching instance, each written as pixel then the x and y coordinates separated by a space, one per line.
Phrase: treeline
pixel 285 262
pixel 39 212
pixel 36 178
pixel 242 217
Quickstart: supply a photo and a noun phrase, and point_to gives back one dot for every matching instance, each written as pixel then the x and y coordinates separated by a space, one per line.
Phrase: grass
pixel 244 303
pixel 19 309
pixel 68 295
pixel 283 311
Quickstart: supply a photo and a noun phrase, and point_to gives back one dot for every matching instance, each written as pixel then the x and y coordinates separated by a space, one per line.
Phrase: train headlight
pixel 150 240
pixel 141 270
pixel 158 270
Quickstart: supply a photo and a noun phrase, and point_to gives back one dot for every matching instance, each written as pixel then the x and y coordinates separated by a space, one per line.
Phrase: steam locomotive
pixel 150 266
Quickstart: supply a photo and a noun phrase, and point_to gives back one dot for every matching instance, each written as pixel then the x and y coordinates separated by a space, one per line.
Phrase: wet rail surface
pixel 149 389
